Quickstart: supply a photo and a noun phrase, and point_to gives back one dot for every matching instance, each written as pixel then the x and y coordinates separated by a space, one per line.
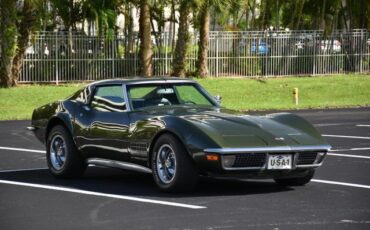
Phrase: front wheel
pixel 297 181
pixel 173 169
pixel 63 158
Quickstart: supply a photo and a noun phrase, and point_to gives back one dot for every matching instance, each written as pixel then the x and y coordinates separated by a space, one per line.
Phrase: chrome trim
pixel 158 81
pixel 295 159
pixel 264 167
pixel 120 150
pixel 269 149
pixel 308 166
pixel 118 164
pixel 126 98
pixel 31 128
pixel 243 168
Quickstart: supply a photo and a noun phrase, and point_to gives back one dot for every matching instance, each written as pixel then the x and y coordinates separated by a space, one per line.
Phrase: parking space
pixel 337 198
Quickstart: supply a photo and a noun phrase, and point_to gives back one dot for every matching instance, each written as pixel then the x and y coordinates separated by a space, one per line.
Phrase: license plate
pixel 279 162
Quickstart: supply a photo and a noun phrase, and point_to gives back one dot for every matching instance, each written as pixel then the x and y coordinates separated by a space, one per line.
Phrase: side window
pixel 190 94
pixel 109 99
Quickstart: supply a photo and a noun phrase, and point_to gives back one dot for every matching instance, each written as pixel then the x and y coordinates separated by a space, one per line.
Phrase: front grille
pixel 249 160
pixel 306 158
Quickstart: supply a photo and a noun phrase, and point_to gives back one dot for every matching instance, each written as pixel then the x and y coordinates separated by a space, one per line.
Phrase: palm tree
pixel 102 12
pixel 202 64
pixel 179 62
pixel 204 19
pixel 27 26
pixel 146 45
pixel 69 11
pixel 15 36
pixel 8 32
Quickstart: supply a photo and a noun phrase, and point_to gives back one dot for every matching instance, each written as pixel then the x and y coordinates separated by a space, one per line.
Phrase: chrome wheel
pixel 173 167
pixel 166 164
pixel 58 152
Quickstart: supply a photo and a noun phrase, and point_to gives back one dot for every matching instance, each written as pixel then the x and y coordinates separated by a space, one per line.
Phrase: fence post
pixel 216 54
pixel 165 52
pixel 135 58
pixel 56 59
pixel 113 55
pixel 361 50
pixel 314 54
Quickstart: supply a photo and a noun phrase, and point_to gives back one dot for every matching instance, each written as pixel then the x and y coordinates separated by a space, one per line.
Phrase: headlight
pixel 228 161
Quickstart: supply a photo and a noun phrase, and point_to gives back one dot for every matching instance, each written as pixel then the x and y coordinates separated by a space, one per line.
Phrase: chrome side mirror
pixel 218 99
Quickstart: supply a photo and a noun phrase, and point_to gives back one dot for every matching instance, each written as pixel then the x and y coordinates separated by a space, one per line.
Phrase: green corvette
pixel 173 129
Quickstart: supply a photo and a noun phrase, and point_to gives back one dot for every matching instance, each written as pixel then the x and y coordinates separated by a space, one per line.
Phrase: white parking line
pixel 79 191
pixel 352 149
pixel 363 125
pixel 341 183
pixel 348 155
pixel 329 124
pixel 21 170
pixel 342 136
pixel 23 150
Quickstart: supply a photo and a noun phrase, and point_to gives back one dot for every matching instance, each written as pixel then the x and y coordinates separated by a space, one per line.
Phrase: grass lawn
pixel 237 93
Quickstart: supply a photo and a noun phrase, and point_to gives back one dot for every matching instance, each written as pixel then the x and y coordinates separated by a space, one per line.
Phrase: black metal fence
pixel 60 57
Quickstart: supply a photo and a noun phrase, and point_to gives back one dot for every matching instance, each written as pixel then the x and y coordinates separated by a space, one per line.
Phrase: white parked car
pixel 330 45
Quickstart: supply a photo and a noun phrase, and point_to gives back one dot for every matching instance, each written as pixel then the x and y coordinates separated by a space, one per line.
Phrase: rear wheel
pixel 173 169
pixel 297 181
pixel 63 158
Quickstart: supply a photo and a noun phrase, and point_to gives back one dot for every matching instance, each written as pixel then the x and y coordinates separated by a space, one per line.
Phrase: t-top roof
pixel 143 80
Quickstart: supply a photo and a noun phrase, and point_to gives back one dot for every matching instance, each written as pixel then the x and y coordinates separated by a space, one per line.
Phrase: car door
pixel 104 124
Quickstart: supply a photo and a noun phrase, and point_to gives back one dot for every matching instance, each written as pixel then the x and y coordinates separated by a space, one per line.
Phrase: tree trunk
pixel 202 65
pixel 8 33
pixel 323 15
pixel 25 26
pixel 364 14
pixel 173 23
pixel 129 40
pixel 146 46
pixel 246 17
pixel 297 15
pixel 252 8
pixel 346 18
pixel 263 22
pixel 179 62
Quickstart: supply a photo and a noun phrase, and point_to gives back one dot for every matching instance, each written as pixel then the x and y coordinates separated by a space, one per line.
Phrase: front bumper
pixel 253 162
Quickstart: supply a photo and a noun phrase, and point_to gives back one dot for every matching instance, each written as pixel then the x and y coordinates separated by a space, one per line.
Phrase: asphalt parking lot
pixel 337 198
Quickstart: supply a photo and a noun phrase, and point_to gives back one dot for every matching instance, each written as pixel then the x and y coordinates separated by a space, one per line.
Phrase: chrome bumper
pixel 320 151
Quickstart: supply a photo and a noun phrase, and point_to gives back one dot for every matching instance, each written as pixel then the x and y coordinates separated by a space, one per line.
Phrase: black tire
pixel 185 175
pixel 73 164
pixel 298 181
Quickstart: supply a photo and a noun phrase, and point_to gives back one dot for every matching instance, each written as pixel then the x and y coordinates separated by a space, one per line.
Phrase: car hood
pixel 232 129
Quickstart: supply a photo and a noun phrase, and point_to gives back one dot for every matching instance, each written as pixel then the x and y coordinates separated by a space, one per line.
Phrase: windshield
pixel 167 94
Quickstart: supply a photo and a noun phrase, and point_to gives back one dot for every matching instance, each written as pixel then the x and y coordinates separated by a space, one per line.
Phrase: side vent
pixel 138 148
